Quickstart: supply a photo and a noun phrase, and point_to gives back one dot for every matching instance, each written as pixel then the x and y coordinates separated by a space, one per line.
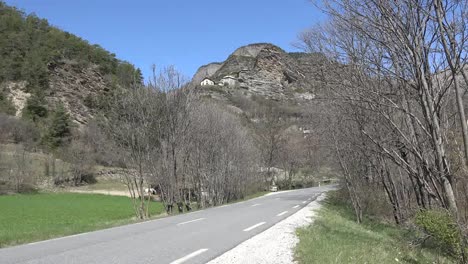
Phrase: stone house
pixel 228 80
pixel 206 82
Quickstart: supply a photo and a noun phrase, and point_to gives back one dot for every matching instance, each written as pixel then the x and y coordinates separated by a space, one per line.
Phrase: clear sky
pixel 184 33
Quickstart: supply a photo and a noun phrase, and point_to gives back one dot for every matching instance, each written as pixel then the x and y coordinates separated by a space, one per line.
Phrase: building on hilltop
pixel 228 80
pixel 206 82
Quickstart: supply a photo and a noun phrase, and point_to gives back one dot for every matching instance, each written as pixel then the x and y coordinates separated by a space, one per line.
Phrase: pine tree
pixel 35 108
pixel 59 131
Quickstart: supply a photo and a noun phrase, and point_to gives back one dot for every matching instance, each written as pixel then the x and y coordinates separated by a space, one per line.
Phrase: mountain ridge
pixel 267 70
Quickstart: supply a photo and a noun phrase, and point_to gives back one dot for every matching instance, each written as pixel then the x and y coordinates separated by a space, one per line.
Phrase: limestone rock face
pixel 253 50
pixel 17 95
pixel 268 71
pixel 205 71
pixel 72 85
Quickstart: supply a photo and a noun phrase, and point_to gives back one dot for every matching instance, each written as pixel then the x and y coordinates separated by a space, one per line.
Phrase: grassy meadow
pixel 335 237
pixel 33 217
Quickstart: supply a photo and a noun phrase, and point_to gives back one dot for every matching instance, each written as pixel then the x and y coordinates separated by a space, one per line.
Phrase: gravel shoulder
pixel 275 245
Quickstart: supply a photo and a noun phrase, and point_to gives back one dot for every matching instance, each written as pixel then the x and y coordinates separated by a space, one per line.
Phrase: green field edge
pixel 98 226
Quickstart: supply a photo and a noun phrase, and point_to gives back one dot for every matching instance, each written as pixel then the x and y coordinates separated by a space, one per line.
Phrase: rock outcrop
pixel 206 71
pixel 266 70
pixel 70 85
pixel 73 86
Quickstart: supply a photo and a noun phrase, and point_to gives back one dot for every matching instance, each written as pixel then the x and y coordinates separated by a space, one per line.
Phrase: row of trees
pixel 396 117
pixel 187 149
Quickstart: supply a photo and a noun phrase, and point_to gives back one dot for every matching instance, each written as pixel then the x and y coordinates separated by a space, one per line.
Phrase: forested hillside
pixel 29 45
pixel 32 52
pixel 45 71
pixel 52 85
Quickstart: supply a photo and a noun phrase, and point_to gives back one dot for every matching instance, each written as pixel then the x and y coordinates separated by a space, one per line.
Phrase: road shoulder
pixel 275 245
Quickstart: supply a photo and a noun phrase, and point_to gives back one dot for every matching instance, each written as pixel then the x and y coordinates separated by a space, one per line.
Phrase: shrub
pixel 35 108
pixel 284 185
pixel 13 130
pixel 440 225
pixel 6 106
pixel 89 101
pixel 88 177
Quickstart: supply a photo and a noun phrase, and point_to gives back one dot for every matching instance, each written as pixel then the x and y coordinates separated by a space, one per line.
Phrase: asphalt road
pixel 195 237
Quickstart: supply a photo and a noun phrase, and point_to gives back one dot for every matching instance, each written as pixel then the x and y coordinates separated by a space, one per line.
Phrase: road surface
pixel 195 237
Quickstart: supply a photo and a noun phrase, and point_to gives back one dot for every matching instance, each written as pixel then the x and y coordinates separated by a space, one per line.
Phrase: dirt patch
pixel 106 192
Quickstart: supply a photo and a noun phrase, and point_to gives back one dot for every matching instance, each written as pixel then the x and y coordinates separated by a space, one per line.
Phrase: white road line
pixel 255 205
pixel 280 214
pixel 191 221
pixel 304 202
pixel 189 256
pixel 296 206
pixel 254 226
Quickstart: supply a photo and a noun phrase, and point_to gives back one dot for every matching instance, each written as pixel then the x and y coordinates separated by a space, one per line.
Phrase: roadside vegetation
pixel 33 217
pixel 395 112
pixel 158 136
pixel 390 120
pixel 335 237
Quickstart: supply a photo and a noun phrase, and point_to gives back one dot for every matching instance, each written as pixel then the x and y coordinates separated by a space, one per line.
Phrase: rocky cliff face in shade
pixel 266 70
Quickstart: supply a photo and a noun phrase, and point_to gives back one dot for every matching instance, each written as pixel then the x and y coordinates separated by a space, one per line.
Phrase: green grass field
pixel 27 218
pixel 336 238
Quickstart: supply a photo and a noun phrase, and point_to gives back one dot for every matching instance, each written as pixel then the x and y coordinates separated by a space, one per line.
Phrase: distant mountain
pixel 268 71
pixel 263 77
pixel 40 61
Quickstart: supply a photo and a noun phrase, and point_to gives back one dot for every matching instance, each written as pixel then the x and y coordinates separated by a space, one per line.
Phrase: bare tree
pixel 223 157
pixel 393 77
pixel 134 124
pixel 270 137
pixel 176 104
pixel 452 30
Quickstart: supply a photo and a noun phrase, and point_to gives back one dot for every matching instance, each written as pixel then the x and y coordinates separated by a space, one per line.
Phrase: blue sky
pixel 184 33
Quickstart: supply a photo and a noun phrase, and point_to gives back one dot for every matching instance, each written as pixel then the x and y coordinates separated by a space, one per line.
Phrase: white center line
pixel 296 206
pixel 304 202
pixel 255 205
pixel 191 221
pixel 189 256
pixel 254 226
pixel 280 214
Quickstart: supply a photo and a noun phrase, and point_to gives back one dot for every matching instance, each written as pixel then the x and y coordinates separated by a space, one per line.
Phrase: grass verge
pixel 336 238
pixel 33 217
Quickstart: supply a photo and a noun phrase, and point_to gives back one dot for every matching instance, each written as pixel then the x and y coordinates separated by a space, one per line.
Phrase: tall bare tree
pixel 135 125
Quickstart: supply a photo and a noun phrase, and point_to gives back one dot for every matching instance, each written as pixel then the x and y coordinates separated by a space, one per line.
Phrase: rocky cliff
pixel 268 71
pixel 73 86
pixel 77 89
